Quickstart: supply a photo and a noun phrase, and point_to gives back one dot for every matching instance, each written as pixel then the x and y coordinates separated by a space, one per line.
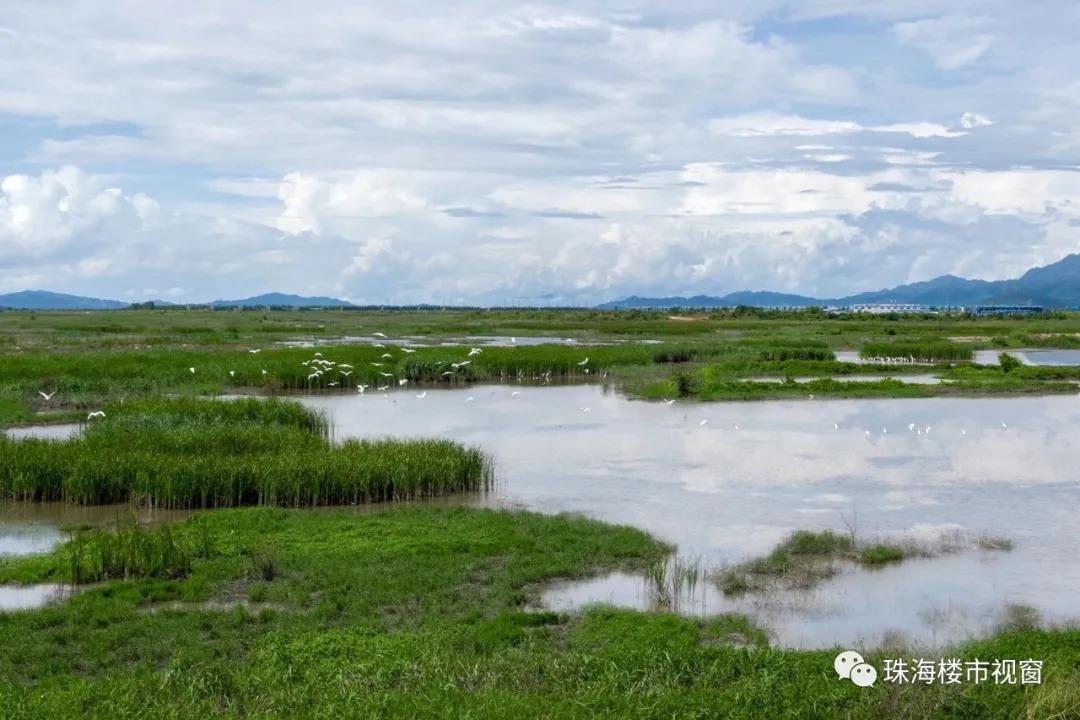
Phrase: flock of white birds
pixel 320 367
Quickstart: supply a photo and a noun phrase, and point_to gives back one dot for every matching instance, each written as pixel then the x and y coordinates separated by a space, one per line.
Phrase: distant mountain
pixel 42 300
pixel 1056 285
pixel 282 300
pixel 758 299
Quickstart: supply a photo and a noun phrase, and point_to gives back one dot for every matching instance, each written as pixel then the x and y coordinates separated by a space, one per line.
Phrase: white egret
pixel 422 395
pixel 910 426
pixel 232 373
pixel 448 372
pixel 670 402
pixel 836 426
pixel 811 397
pixel 403 381
pixel 1004 426
pixel 47 397
pixel 345 365
pixel 470 399
pixel 263 372
pixel 346 373
pixel 386 374
pixel 378 345
pixel 585 410
pixel 318 355
pixel 96 414
pixel 407 351
pixel 584 362
pixel 386 355
pixel 191 370
pixel 514 394
pixel 379 334
pixel 333 384
pixel 378 364
pixel 383 388
pixel 703 423
pixel 256 351
pixel 475 351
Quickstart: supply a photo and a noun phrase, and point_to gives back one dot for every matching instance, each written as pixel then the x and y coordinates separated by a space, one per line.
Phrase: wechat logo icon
pixel 850 665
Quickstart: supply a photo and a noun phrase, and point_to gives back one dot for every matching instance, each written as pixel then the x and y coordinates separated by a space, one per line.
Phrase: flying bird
pixel 386 374
pixel 422 395
pixel 407 350
pixel 670 402
pixel 386 355
pixel 584 362
pixel 703 423
pixel 96 414
pixel 256 351
pixel 383 388
pixel 403 381
pixel 379 334
pixel 475 351
pixel 47 397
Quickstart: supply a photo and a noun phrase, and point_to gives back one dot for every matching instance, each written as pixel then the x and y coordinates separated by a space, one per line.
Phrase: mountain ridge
pixel 1056 285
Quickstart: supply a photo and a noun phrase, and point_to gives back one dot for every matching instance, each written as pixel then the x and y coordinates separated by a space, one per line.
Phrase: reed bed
pixel 134 551
pixel 210 453
pixel 917 351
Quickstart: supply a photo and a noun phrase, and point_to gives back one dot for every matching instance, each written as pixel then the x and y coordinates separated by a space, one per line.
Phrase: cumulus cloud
pixel 952 40
pixel 566 152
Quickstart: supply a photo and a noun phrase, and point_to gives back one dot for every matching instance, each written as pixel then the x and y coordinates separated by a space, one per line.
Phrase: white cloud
pixel 971 120
pixel 758 124
pixel 416 152
pixel 952 40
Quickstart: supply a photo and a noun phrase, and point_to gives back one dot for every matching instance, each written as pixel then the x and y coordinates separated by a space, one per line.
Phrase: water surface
pixel 731 488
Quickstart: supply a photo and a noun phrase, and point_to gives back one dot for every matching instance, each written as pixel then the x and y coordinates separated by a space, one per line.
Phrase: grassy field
pixel 423 613
pixel 91 359
pixel 285 611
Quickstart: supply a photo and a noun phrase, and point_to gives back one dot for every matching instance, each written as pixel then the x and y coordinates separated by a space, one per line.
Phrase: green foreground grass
pixel 420 612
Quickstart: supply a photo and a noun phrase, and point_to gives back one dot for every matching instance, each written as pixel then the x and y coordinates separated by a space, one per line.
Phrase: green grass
pixel 183 453
pixel 91 359
pixel 918 351
pixel 421 612
pixel 806 558
pixel 881 554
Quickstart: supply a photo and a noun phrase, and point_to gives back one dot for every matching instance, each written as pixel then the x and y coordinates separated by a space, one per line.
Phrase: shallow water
pixel 1052 357
pixel 29 528
pixel 425 341
pixel 28 597
pixel 733 488
pixel 62 431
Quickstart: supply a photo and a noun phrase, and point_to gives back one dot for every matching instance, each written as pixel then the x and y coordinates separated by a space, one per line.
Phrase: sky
pixel 477 152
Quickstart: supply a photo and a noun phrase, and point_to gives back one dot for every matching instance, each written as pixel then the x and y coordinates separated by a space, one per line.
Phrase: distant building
pixel 1007 309
pixel 883 308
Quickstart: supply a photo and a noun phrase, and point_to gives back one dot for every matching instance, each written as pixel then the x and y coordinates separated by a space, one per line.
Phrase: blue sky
pixel 478 152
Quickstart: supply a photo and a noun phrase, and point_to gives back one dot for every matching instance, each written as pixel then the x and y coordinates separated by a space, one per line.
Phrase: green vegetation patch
pixel 422 612
pixel 184 453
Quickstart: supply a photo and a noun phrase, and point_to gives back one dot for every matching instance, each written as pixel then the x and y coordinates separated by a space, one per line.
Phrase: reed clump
pixel 928 351
pixel 188 453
